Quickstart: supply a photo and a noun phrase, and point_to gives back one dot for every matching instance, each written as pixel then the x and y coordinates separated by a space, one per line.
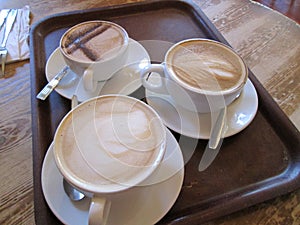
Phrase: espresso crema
pixel 110 141
pixel 206 65
pixel 93 41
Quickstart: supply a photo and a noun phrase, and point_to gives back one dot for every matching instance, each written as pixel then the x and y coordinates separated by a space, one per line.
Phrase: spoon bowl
pixel 72 192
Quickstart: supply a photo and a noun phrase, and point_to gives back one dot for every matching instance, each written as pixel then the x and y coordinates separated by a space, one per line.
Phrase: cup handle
pixel 88 80
pixel 99 211
pixel 155 87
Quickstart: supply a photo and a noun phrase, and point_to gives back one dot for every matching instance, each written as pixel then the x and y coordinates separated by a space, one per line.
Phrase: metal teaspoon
pixel 72 192
pixel 215 141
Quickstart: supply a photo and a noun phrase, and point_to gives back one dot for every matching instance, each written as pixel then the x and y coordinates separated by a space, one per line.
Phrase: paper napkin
pixel 17 43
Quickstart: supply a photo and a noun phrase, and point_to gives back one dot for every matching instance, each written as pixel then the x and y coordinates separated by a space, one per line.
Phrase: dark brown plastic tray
pixel 259 163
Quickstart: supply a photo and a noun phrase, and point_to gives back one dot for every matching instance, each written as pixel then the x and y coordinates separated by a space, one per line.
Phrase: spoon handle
pixel 72 192
pixel 217 129
pixel 74 101
pixel 43 94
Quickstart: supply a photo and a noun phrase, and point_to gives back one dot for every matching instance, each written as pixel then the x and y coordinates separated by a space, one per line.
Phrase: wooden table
pixel 267 41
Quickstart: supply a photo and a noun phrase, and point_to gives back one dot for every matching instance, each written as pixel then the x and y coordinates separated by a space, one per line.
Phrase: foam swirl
pixel 205 65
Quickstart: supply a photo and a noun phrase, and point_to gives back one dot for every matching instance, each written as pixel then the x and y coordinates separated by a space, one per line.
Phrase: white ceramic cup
pixel 201 75
pixel 106 145
pixel 95 50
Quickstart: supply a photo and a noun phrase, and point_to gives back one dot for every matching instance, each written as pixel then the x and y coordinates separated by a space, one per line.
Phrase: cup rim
pixel 92 188
pixel 235 88
pixel 123 48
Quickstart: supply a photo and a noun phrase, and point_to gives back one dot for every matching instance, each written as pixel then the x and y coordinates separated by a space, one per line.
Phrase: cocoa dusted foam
pixel 206 65
pixel 93 41
pixel 110 140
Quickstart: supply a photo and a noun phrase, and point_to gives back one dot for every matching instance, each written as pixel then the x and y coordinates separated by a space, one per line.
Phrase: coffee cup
pixel 200 75
pixel 95 50
pixel 107 145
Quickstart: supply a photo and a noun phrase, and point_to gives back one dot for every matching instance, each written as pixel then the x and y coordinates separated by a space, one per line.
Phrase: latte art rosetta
pixel 111 141
pixel 203 66
pixel 130 134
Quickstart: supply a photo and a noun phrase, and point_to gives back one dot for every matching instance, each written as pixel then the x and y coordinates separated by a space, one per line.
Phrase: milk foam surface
pixel 206 66
pixel 110 141
pixel 93 41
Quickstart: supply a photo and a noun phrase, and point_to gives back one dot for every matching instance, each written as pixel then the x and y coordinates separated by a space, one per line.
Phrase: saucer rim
pixel 62 91
pixel 200 135
pixel 179 174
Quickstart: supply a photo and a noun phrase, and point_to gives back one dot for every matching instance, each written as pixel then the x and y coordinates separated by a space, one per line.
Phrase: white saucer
pixel 198 125
pixel 140 205
pixel 125 81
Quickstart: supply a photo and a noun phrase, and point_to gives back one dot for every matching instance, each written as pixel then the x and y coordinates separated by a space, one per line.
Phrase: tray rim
pixel 290 183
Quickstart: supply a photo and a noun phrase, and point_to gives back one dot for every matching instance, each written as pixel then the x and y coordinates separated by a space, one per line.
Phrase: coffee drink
pixel 95 51
pixel 109 142
pixel 93 41
pixel 206 65
pixel 200 75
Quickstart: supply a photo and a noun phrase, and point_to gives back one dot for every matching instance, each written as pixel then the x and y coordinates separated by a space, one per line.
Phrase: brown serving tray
pixel 255 165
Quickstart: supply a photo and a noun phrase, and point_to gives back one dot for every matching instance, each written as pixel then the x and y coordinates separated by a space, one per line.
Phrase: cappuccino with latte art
pixel 109 143
pixel 205 66
pixel 200 75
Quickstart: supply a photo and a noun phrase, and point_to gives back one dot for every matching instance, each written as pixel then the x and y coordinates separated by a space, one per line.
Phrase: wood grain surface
pixel 290 8
pixel 268 42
